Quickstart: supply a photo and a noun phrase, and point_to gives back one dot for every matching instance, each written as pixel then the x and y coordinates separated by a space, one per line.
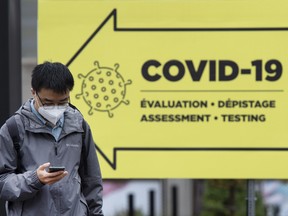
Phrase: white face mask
pixel 53 114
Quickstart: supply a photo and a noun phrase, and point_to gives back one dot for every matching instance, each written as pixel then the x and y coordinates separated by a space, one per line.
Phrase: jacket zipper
pixel 56 146
pixel 56 149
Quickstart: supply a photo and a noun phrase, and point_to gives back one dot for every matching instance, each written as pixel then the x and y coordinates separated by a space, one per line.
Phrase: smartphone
pixel 56 168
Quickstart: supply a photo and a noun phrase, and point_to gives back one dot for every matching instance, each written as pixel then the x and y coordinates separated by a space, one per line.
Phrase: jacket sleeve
pixel 90 174
pixel 14 187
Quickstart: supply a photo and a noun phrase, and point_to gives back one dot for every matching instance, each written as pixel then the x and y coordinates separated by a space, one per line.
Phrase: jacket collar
pixel 72 120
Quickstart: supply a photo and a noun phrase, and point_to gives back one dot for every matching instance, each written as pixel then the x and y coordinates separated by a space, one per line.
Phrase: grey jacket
pixel 77 194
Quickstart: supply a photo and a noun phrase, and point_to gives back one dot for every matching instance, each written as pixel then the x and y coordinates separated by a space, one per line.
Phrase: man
pixel 52 133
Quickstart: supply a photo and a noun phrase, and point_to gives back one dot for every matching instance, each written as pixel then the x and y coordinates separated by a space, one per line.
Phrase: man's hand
pixel 49 178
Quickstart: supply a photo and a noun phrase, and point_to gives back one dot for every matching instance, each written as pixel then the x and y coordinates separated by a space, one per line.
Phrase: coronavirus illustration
pixel 103 89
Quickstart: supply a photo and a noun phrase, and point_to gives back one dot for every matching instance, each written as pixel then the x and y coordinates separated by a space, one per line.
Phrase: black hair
pixel 54 76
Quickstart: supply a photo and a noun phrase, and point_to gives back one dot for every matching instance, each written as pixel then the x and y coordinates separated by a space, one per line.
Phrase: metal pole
pixel 10 58
pixel 174 201
pixel 251 197
pixel 131 210
pixel 151 203
pixel 15 67
pixel 4 59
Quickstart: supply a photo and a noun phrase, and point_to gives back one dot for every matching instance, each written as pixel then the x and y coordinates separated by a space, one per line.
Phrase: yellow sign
pixel 176 89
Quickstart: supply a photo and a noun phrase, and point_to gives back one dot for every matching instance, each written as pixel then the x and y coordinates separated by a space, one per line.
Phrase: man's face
pixel 47 97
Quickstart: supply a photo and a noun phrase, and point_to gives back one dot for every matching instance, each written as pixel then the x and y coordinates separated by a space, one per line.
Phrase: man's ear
pixel 33 92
